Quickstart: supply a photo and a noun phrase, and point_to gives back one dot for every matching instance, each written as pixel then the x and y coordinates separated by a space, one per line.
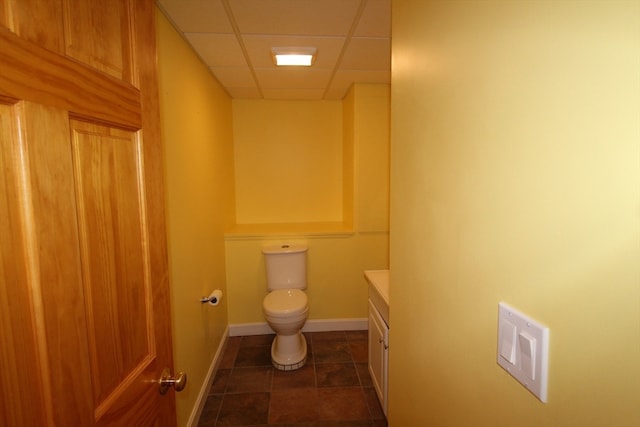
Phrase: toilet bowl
pixel 286 306
pixel 286 311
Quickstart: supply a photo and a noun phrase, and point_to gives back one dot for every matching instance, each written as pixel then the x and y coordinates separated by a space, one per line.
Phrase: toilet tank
pixel 286 266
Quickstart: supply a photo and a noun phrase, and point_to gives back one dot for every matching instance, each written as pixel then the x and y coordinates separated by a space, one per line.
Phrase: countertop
pixel 379 291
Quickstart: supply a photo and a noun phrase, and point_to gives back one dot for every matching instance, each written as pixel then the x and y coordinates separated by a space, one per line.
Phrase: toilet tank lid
pixel 284 248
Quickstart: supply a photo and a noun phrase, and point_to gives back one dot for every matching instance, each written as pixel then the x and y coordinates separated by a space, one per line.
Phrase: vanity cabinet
pixel 378 354
pixel 378 281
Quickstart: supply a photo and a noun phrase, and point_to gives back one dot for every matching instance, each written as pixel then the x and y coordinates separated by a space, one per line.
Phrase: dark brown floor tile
pixel 331 352
pixel 343 404
pixel 357 335
pixel 220 381
pixel 253 356
pixel 254 425
pixel 300 378
pixel 375 408
pixel 244 409
pixel 334 389
pixel 364 375
pixel 210 411
pixel 337 375
pixel 309 424
pixel 244 380
pixel 359 350
pixel 347 424
pixel 230 352
pixel 256 340
pixel 328 336
pixel 361 423
pixel 293 406
pixel 310 358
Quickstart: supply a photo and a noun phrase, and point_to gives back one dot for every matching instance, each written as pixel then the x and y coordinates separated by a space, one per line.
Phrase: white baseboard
pixel 204 391
pixel 315 325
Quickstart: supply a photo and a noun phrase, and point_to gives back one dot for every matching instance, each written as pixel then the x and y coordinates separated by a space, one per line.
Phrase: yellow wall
pixel 515 176
pixel 197 137
pixel 336 260
pixel 371 156
pixel 348 157
pixel 288 161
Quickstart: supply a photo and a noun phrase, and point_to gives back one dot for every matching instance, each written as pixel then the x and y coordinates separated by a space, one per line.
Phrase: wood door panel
pixel 19 360
pixel 34 20
pixel 55 279
pixel 97 33
pixel 4 13
pixel 36 74
pixel 134 401
pixel 108 172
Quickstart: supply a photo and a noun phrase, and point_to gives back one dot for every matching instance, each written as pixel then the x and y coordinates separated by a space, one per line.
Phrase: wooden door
pixel 84 297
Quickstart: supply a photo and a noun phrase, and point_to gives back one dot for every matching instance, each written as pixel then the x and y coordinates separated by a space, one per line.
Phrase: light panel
pixel 294 56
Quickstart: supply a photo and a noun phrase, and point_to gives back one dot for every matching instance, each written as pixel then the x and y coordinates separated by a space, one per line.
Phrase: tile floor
pixel 333 389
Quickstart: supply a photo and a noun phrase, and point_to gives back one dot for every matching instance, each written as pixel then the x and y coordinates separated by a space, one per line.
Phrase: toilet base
pixel 289 352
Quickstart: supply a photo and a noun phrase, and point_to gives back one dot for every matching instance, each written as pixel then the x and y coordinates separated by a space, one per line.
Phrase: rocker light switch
pixel 508 341
pixel 527 354
pixel 523 349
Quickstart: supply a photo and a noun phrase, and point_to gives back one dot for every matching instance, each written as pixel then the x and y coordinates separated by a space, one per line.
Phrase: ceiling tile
pixel 234 76
pixel 298 78
pixel 367 54
pixel 375 20
pixel 197 16
pixel 217 49
pixel 304 17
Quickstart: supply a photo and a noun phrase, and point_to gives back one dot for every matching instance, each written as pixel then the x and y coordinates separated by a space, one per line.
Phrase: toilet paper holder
pixel 212 299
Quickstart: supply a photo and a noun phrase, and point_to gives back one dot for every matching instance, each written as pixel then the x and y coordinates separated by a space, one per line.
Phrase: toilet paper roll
pixel 215 297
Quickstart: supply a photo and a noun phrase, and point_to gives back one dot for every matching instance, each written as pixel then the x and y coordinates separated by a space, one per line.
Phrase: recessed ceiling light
pixel 294 56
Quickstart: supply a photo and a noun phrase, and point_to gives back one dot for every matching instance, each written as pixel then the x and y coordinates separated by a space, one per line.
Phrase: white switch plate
pixel 530 335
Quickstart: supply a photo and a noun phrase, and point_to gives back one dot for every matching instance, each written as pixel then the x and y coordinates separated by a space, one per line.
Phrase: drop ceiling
pixel 234 39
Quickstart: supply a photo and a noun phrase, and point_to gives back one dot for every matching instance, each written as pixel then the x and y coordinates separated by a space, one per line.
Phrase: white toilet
pixel 286 306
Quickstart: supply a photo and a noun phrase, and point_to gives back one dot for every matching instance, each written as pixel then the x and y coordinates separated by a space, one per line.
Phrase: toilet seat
pixel 285 303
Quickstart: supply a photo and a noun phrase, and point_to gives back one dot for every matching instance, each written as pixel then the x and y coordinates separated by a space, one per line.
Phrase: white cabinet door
pixel 378 354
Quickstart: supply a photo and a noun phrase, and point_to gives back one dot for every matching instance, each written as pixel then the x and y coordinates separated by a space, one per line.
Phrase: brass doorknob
pixel 166 381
